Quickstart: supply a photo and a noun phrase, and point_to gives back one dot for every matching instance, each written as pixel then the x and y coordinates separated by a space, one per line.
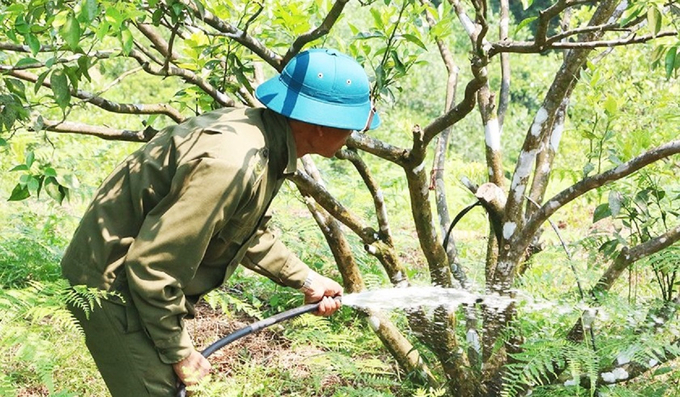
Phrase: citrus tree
pixel 60 58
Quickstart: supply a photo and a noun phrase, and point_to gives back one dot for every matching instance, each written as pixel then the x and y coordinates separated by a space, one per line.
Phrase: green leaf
pixel 54 190
pixel 20 167
pixel 33 43
pixel 16 87
pixel 114 18
pixel 631 13
pixel 68 181
pixel 615 202
pixel 588 168
pixel 40 80
pixel 73 75
pixel 126 40
pixel 602 211
pixel 377 18
pixel 610 105
pixel 103 30
pixel 654 19
pixel 21 26
pixel 524 23
pixel 49 171
pixel 60 19
pixel 157 16
pixel 84 67
pixel 30 158
pixel 88 11
pixel 34 184
pixel 415 40
pixel 60 88
pixel 199 7
pixel 27 61
pixel 670 61
pixel 609 247
pixel 662 370
pixel 19 193
pixel 70 31
pixel 527 3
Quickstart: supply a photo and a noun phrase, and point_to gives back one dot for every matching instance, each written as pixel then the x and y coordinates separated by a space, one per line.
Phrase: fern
pixel 536 362
pixel 228 304
pixel 6 385
pixel 431 392
pixel 83 297
pixel 665 264
pixel 583 361
pixel 32 317
pixel 318 331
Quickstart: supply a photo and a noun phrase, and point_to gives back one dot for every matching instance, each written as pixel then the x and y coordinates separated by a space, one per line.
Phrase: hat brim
pixel 278 97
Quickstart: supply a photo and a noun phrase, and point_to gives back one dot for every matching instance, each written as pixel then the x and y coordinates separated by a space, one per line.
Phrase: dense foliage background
pixel 58 58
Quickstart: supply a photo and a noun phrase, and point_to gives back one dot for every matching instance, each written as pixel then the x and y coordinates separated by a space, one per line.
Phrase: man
pixel 175 219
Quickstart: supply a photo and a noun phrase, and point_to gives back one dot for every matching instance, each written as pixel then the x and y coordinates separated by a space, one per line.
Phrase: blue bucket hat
pixel 323 87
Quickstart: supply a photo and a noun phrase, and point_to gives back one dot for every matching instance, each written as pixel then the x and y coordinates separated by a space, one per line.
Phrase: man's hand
pixel 192 369
pixel 320 288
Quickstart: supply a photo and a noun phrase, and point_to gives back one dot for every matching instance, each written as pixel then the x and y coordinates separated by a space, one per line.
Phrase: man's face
pixel 332 140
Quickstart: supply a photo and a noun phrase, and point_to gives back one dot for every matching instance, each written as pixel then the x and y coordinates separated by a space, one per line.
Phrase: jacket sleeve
pixel 171 244
pixel 269 257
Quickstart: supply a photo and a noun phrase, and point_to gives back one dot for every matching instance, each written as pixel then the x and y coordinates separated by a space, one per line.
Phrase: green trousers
pixel 124 354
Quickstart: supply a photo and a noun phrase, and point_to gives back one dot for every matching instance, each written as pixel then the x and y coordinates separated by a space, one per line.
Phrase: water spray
pixel 240 333
pixel 382 299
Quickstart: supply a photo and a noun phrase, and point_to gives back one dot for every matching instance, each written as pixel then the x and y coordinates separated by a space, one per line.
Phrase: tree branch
pixel 237 35
pixel 308 186
pixel 105 104
pixel 188 76
pixel 317 32
pixel 530 48
pixel 437 182
pixel 373 187
pixel 628 256
pixel 378 148
pixel 23 48
pixel 544 121
pixel 595 181
pixel 157 40
pixel 504 96
pixel 74 58
pixel 99 131
pixel 457 113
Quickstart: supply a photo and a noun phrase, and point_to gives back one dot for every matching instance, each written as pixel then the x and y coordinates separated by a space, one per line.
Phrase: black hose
pixel 458 217
pixel 277 318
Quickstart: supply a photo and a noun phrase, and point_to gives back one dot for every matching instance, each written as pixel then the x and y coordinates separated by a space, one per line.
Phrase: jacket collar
pixel 277 128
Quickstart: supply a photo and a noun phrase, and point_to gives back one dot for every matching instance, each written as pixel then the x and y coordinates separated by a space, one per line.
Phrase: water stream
pixel 429 297
pixel 421 297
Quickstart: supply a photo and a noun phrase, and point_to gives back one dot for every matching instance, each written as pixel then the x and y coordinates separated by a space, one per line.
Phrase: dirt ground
pixel 266 347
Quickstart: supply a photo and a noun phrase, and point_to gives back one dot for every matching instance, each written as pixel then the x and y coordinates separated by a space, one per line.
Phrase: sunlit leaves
pixel 89 9
pixel 611 106
pixel 527 3
pixel 126 40
pixel 655 19
pixel 525 23
pixel 35 178
pixel 68 28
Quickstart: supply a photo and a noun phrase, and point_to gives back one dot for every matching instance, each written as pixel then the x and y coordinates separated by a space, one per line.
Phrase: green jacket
pixel 175 219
